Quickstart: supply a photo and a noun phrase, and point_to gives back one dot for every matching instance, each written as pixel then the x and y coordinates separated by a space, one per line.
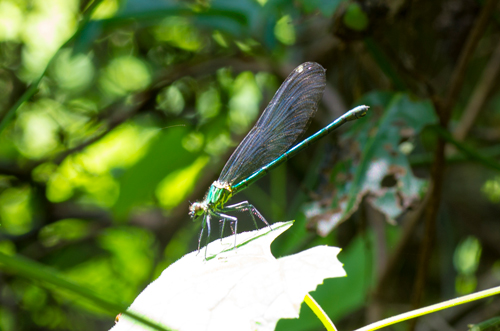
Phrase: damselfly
pixel 267 145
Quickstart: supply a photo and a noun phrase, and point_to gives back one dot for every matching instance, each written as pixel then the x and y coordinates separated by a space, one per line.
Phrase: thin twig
pixel 430 217
pixel 410 224
pixel 479 96
pixel 444 110
pixel 458 75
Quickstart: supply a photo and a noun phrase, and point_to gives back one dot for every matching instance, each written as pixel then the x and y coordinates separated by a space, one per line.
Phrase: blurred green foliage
pixel 466 261
pixel 115 114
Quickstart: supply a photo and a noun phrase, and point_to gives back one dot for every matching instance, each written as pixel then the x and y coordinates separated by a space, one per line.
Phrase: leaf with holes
pixel 383 172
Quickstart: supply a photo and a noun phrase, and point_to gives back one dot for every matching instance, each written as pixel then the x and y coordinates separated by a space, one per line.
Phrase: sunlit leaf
pixel 106 9
pixel 11 18
pixel 90 171
pixel 179 32
pixel 39 128
pixel 208 103
pixel 284 30
pixel 467 255
pixel 32 270
pixel 174 188
pixel 165 155
pixel 63 230
pixel 327 8
pixel 355 18
pixel 491 189
pixel 7 247
pixel 46 28
pixel 339 296
pixel 125 74
pixel 244 102
pixel 15 212
pixel 170 100
pixel 245 288
pixel 73 71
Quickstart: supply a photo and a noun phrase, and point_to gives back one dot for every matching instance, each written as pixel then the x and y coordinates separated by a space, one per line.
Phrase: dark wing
pixel 284 119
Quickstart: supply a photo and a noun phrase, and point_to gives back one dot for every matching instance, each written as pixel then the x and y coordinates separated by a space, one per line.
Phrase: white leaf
pixel 245 288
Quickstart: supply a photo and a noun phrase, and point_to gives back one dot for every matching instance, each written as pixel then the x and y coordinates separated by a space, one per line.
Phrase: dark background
pixel 114 115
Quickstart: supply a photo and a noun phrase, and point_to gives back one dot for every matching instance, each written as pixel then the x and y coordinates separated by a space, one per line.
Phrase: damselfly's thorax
pixel 218 194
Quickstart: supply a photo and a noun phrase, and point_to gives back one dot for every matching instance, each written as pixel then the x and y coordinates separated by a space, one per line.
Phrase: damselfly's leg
pixel 232 219
pixel 235 231
pixel 222 225
pixel 202 230
pixel 244 206
pixel 204 223
pixel 208 235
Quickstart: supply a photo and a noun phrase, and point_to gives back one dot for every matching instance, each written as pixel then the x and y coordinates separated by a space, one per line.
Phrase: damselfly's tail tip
pixel 356 113
pixel 361 111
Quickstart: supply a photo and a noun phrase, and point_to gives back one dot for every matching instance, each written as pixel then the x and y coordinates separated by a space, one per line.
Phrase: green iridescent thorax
pixel 218 194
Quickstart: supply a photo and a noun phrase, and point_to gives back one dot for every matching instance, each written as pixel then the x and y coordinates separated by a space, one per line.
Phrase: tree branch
pixel 444 110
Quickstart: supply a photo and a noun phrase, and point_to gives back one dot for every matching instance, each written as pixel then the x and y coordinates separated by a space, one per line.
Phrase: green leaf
pixel 34 271
pixel 165 155
pixel 492 324
pixel 385 64
pixel 284 30
pixel 339 296
pixel 355 18
pixel 235 288
pixel 383 172
pixel 327 8
pixel 33 88
pixel 467 150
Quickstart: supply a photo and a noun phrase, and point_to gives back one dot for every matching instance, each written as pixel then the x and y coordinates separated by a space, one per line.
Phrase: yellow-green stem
pixel 431 309
pixel 318 311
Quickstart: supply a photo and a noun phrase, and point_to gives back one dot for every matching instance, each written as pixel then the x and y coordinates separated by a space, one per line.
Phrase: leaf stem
pixel 318 311
pixel 431 309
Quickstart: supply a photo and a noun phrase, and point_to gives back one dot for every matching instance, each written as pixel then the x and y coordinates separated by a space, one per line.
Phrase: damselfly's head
pixel 197 209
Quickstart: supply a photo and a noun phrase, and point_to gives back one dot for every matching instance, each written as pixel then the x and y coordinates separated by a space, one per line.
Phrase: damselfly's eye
pixel 196 209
